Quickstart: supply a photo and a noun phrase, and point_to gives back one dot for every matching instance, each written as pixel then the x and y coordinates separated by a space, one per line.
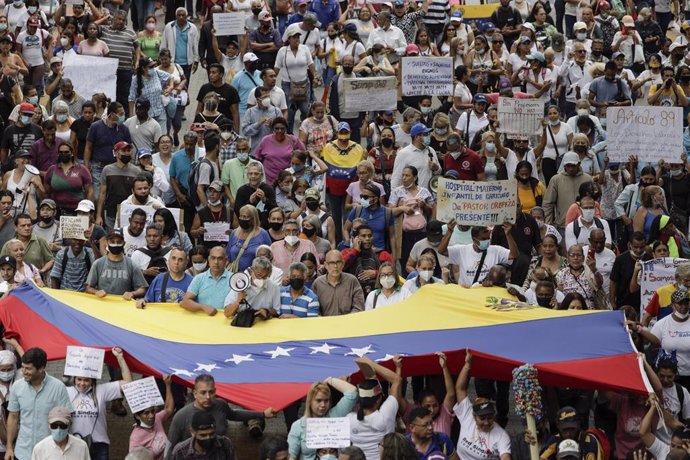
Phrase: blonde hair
pixel 253 214
pixel 441 119
pixel 367 164
pixel 318 387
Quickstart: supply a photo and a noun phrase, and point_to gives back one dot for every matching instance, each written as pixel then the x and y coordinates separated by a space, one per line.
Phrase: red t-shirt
pixel 468 165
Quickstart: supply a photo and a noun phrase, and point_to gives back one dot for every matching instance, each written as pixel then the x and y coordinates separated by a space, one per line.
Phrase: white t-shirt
pixel 132 243
pixel 561 138
pixel 382 300
pixel 675 336
pixel 368 433
pixel 464 256
pixel 32 46
pixel 477 445
pixel 88 419
pixel 297 63
pixel 583 236
pixel 463 92
pixel 604 262
pixel 512 161
pixel 476 123
pixel 672 404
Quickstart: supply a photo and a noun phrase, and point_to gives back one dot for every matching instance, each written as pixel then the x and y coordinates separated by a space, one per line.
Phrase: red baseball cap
pixel 122 145
pixel 26 107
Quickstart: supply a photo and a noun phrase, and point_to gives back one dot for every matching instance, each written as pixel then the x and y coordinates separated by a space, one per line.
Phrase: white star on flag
pixel 205 367
pixel 239 358
pixel 279 351
pixel 183 372
pixel 385 358
pixel 325 348
pixel 360 351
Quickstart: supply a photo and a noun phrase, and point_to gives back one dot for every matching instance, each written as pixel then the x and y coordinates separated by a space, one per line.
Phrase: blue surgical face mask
pixel 3 26
pixel 242 156
pixel 328 457
pixel 120 119
pixel 484 245
pixel 426 140
pixel 490 147
pixel 26 120
pixel 58 434
pixel 33 100
pixel 6 376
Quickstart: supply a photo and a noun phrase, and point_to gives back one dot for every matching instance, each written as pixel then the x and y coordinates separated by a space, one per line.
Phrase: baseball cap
pixel 525 39
pixel 579 25
pixel 488 25
pixel 33 22
pixel 452 174
pixel 680 296
pixel 86 206
pixel 60 414
pixel 301 2
pixel 292 32
pixel 456 16
pixel 265 16
pixel 479 97
pixel 122 145
pixel 568 448
pixel 604 4
pixel 312 193
pixel 504 83
pixel 412 49
pixel 344 126
pixel 8 260
pixel 144 151
pixel 434 231
pixel 484 408
pixel 418 129
pixel 22 153
pixel 48 202
pixel 55 60
pixel 216 185
pixel 528 26
pixel 536 56
pixel 250 57
pixel 628 21
pixel 6 38
pixel 26 107
pixel 616 55
pixel 116 232
pixel 350 28
pixel 142 102
pixel 567 416
pixel 571 158
pixel 203 419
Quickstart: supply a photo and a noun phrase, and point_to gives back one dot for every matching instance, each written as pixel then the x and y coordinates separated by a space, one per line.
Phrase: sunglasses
pixel 58 426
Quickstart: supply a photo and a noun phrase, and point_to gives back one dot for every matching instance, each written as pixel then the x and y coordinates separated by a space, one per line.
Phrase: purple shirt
pixel 43 157
pixel 276 156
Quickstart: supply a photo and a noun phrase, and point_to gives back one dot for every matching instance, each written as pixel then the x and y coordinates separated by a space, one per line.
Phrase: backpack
pixel 86 257
pixel 157 258
pixel 387 216
pixel 602 440
pixel 366 260
pixel 608 31
pixel 193 180
pixel 577 228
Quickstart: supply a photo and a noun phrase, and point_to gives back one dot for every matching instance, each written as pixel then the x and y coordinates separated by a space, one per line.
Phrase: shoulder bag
pixel 235 264
pixel 299 91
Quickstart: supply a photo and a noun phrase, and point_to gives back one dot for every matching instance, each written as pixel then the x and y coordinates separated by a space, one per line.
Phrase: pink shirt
pixel 442 422
pixel 154 439
pixel 100 48
pixel 282 258
pixel 275 156
pixel 630 416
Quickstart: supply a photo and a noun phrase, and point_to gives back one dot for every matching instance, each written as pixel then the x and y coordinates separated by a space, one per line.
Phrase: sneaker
pixel 176 140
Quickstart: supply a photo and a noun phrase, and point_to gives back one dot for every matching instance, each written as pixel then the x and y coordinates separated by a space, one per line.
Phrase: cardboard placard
pixel 326 432
pixel 368 94
pixel 651 133
pixel 519 116
pixel 142 394
pixel 477 203
pixel 229 23
pixel 84 362
pixel 655 274
pixel 125 210
pixel 432 76
pixel 73 227
pixel 216 231
pixel 101 71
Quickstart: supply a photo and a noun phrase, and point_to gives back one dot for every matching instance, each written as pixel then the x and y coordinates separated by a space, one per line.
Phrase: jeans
pixel 328 74
pixel 124 82
pixel 162 120
pixel 337 205
pixel 100 451
pixel 144 8
pixel 569 24
pixel 293 107
pixel 175 123
pixel 36 74
pixel 96 168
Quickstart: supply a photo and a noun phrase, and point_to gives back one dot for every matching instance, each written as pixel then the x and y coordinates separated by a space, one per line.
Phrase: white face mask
pixel 225 135
pixel 583 112
pixel 215 203
pixel 387 282
pixel 291 240
pixel 681 315
pixel 299 197
pixel 200 266
pixel 266 102
pixel 581 36
pixel 426 274
pixel 7 376
pixel 258 283
pixel 455 155
pixel 588 215
pixel 144 425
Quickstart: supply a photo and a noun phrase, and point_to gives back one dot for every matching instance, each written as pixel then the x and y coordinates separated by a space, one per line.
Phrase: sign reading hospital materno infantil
pixel 425 76
pixel 477 203
pixel 651 133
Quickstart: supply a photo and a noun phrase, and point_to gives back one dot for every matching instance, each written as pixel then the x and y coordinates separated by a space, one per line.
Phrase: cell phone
pixel 163 269
pixel 591 253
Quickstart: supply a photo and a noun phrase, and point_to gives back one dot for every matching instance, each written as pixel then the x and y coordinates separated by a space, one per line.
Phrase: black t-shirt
pixel 15 138
pixel 6 101
pixel 246 191
pixel 525 233
pixel 621 273
pixel 80 127
pixel 228 96
pixel 219 120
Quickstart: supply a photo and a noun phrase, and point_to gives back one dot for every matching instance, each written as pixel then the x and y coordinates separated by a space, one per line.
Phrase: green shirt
pixel 234 174
pixel 36 253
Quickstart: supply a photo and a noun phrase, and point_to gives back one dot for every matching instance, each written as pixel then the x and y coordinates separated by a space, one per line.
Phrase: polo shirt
pixel 209 290
pixel 121 44
pixel 76 269
pixel 267 297
pixel 305 305
pixel 234 174
pixel 33 407
pixel 103 138
pixel 245 83
pixel 440 442
pixel 180 165
pixel 468 165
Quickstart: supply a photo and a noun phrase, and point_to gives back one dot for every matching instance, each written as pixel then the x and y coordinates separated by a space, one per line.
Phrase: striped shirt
pixel 76 270
pixel 306 305
pixel 122 44
pixel 437 13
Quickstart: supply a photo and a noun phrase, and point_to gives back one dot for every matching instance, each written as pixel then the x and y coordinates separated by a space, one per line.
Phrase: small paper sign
pixel 229 23
pixel 328 432
pixel 215 231
pixel 73 227
pixel 84 362
pixel 142 394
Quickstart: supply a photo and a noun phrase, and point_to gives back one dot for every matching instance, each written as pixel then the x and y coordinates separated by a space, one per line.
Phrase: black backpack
pixel 193 180
pixel 64 261
pixel 577 228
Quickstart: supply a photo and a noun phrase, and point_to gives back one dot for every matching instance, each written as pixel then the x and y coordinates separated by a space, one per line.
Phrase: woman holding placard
pixel 89 402
pixel 149 431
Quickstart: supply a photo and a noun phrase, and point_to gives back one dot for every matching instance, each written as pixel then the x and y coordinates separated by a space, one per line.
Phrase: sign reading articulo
pixel 477 203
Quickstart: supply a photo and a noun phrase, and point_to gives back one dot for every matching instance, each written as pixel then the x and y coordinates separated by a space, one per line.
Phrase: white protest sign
pixel 326 432
pixel 73 227
pixel 657 273
pixel 216 231
pixel 229 23
pixel 101 72
pixel 125 210
pixel 519 116
pixel 432 76
pixel 84 362
pixel 369 94
pixel 477 203
pixel 142 394
pixel 652 133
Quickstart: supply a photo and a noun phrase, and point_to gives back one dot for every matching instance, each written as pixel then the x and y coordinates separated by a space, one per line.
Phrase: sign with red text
pixel 519 116
pixel 477 203
pixel 651 133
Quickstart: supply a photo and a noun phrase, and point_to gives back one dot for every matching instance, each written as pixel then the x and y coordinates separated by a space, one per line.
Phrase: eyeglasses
pixel 576 255
pixel 498 42
pixel 337 262
pixel 58 426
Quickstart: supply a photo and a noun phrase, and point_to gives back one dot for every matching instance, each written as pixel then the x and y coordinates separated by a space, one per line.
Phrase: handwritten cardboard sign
pixel 142 394
pixel 651 133
pixel 84 362
pixel 216 231
pixel 657 273
pixel 367 94
pixel 477 203
pixel 432 76
pixel 328 432
pixel 229 23
pixel 519 116
pixel 73 227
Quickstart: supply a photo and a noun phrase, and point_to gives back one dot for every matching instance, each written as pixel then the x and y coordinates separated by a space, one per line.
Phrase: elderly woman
pixel 318 405
pixel 365 173
pixel 25 271
pixel 588 161
pixel 652 202
pixel 90 400
pixel 63 120
pixel 580 276
pixel 388 288
pixel 244 240
pixel 276 273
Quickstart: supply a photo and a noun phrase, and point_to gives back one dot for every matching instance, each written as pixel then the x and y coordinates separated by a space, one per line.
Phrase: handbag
pixel 244 316
pixel 235 264
pixel 299 90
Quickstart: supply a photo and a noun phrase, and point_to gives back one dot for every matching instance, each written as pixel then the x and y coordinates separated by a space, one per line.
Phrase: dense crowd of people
pixel 332 212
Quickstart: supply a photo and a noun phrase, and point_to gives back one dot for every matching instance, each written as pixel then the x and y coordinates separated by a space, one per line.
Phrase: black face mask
pixel 65 158
pixel 125 158
pixel 46 219
pixel 685 79
pixel 308 232
pixel 275 226
pixel 387 142
pixel 544 302
pixel 256 11
pixel 116 250
pixel 524 180
pixel 347 69
pixel 206 444
pixel 296 283
pixel 332 37
pixel 521 150
pixel 142 198
pixel 312 205
pixel 245 224
pixel 580 148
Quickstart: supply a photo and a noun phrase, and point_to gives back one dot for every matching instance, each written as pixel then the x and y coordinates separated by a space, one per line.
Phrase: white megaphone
pixel 29 173
pixel 240 281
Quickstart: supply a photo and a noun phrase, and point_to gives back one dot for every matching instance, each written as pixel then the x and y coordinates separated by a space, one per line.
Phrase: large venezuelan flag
pixel 274 362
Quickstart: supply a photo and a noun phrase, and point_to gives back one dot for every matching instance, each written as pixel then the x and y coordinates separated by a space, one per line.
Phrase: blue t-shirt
pixel 235 244
pixel 377 221
pixel 211 291
pixel 174 290
pixel 440 444
pixel 181 39
pixel 180 165
pixel 104 138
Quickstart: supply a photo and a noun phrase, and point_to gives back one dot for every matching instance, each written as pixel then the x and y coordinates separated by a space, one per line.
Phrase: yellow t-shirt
pixel 668 96
pixel 528 199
